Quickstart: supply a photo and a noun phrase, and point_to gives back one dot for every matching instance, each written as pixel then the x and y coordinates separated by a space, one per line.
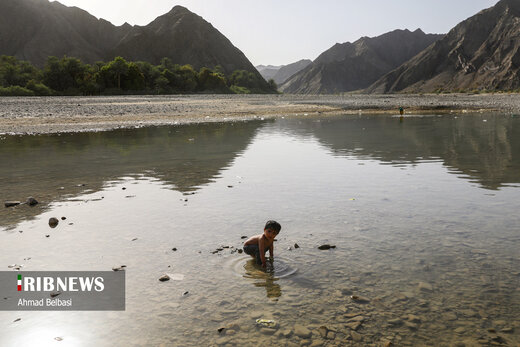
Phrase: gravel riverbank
pixel 19 115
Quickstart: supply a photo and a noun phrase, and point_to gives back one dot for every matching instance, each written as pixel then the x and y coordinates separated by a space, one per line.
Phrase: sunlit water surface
pixel 423 214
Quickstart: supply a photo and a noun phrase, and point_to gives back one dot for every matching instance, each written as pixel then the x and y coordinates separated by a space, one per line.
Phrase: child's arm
pixel 271 249
pixel 261 248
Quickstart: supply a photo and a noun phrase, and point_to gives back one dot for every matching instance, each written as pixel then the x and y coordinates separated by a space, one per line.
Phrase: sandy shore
pixel 20 115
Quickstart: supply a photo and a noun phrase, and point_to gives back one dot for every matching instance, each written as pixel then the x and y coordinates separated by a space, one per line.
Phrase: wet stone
pixel 53 222
pixel 356 336
pixel 359 299
pixel 425 287
pixel 331 335
pixel 508 330
pixel 11 203
pixel 323 331
pixel 325 247
pixel 353 325
pixel 267 331
pixel 301 331
pixel 31 201
pixel 164 278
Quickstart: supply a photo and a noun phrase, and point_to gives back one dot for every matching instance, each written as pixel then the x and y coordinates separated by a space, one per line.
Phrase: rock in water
pixel 31 201
pixel 53 222
pixel 325 247
pixel 12 203
pixel 301 331
pixel 164 278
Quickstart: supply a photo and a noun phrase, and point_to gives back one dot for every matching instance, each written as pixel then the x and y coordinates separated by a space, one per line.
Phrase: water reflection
pixel 482 148
pixel 264 278
pixel 51 167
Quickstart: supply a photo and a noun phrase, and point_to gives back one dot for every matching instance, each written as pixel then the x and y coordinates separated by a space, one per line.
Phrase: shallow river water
pixel 423 214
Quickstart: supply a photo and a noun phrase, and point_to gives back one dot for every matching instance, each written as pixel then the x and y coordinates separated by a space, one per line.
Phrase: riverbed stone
pixel 323 331
pixel 31 201
pixel 267 331
pixel 164 278
pixel 425 287
pixel 11 203
pixel 301 331
pixel 53 222
pixel 325 247
pixel 357 337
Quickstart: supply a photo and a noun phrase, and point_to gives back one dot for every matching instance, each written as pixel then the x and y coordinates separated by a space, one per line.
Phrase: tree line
pixel 69 76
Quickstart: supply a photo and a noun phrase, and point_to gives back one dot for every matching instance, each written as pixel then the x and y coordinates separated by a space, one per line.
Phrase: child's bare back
pixel 257 245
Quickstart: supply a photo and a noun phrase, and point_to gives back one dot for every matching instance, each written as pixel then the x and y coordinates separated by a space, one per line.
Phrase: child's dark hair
pixel 274 225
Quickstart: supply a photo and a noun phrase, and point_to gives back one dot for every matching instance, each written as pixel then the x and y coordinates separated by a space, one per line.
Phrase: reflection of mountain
pixel 185 156
pixel 486 151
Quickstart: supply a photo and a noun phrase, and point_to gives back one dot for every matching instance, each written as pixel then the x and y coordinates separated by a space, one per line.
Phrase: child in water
pixel 257 245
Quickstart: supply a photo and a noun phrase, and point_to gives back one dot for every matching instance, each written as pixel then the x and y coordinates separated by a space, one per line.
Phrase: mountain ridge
pixel 482 52
pixel 353 66
pixel 36 29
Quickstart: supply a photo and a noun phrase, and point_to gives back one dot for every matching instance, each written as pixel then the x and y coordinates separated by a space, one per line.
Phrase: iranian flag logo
pixel 19 283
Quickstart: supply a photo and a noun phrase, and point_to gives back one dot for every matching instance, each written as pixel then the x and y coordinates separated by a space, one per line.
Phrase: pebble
pixel 323 330
pixel 174 249
pixel 164 278
pixel 63 218
pixel 325 247
pixel 353 325
pixel 17 319
pixel 243 237
pixel 119 268
pixel 301 331
pixel 296 246
pixel 54 294
pixel 425 287
pixel 53 222
pixel 267 331
pixel 359 299
pixel 12 203
pixel 356 336
pixel 31 201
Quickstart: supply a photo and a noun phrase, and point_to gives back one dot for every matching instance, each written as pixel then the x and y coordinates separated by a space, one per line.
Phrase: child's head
pixel 274 226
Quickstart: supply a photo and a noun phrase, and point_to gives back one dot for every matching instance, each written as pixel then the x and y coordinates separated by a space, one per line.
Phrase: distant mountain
pixel 281 73
pixel 482 52
pixel 353 66
pixel 289 70
pixel 268 71
pixel 35 29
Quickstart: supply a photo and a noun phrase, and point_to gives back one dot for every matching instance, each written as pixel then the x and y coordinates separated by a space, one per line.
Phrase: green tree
pixel 120 67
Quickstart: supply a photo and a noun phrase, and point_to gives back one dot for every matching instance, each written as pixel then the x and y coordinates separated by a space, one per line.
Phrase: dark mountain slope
pixel 482 52
pixel 35 29
pixel 352 66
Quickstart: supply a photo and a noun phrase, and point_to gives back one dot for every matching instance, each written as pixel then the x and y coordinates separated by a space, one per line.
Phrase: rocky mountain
pixel 353 66
pixel 268 71
pixel 288 71
pixel 482 52
pixel 35 29
pixel 281 73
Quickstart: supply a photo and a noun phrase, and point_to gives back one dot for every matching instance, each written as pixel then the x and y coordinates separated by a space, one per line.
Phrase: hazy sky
pixel 280 32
